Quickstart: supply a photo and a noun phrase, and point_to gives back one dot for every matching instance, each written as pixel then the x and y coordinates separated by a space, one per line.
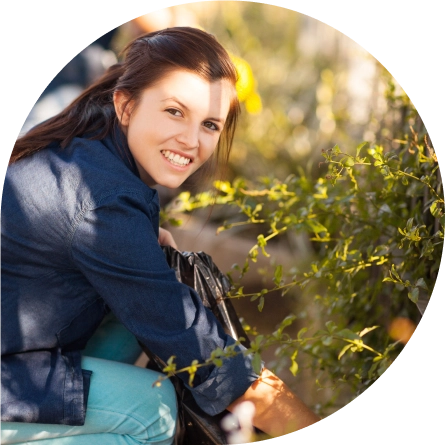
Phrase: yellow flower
pixel 246 85
pixel 253 103
pixel 246 81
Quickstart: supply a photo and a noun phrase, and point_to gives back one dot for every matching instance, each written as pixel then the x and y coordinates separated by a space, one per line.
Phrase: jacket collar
pixel 116 142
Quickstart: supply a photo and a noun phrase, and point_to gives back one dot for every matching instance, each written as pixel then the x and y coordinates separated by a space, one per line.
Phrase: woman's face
pixel 175 126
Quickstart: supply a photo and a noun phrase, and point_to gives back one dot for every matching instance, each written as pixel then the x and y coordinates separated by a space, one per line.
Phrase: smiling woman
pixel 182 133
pixel 80 242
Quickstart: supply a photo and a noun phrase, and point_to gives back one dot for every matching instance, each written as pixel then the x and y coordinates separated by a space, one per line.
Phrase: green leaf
pixel 348 334
pixel 330 325
pixel 218 362
pixel 256 362
pixel 414 295
pixel 287 321
pixel 255 297
pixel 218 352
pixel 278 275
pixel 257 342
pixel 381 250
pixel 421 283
pixel 261 304
pixel 394 272
pixel 385 209
pixel 349 162
pixel 359 149
pixel 366 330
pixel 303 284
pixel 294 368
pixel 342 352
pixel 327 340
pixel 435 210
pixel 383 367
pixel 315 226
pixel 301 332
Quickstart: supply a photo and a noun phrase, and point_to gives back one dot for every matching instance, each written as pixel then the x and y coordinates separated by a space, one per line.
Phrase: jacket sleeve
pixel 115 246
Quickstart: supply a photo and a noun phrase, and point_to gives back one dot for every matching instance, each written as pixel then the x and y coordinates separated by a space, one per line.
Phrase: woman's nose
pixel 189 137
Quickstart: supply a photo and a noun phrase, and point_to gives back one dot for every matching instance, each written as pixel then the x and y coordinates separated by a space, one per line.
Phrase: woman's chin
pixel 171 183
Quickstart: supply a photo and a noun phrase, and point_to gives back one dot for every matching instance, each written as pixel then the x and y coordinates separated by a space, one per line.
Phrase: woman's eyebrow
pixel 217 119
pixel 175 99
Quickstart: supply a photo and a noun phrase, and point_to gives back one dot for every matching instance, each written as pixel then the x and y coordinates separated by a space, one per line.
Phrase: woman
pixel 80 240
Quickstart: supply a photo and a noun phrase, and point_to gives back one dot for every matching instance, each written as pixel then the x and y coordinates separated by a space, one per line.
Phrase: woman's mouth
pixel 176 159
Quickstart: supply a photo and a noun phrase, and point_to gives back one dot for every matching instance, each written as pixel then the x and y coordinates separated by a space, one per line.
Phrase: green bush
pixel 375 220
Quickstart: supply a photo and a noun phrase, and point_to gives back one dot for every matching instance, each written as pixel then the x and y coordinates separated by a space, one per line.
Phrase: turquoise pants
pixel 123 406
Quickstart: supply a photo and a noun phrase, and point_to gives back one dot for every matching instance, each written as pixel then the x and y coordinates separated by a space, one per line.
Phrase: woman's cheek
pixel 213 143
pixel 208 155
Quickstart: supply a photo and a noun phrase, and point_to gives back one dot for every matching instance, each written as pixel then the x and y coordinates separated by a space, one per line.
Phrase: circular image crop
pixel 327 221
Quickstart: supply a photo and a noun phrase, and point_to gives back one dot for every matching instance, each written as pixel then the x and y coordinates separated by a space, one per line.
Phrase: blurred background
pixel 304 88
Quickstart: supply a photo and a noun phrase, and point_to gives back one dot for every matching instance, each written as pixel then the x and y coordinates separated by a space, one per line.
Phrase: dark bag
pixel 197 270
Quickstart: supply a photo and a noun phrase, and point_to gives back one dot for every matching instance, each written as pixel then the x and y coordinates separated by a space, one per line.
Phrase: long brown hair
pixel 146 60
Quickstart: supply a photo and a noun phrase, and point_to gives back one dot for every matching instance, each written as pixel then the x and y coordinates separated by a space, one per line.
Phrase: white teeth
pixel 175 158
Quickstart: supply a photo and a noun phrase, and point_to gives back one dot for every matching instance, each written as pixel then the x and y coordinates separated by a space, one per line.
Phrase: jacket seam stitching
pixel 89 205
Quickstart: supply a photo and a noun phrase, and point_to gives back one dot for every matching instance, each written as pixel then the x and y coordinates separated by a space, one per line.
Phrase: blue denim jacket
pixel 79 238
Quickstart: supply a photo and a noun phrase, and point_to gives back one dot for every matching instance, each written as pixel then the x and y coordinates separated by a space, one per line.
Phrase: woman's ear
pixel 123 107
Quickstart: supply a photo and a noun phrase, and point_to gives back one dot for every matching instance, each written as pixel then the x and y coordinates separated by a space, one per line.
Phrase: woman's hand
pixel 278 411
pixel 166 238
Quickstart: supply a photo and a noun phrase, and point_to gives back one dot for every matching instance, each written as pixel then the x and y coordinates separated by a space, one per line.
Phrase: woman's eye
pixel 174 112
pixel 211 126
